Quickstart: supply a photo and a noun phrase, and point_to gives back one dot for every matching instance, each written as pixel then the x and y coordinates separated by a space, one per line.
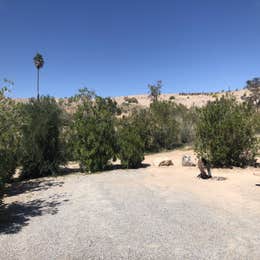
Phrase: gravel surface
pixel 117 215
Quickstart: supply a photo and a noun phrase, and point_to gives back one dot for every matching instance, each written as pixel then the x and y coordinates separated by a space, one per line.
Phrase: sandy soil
pixel 238 190
pixel 148 213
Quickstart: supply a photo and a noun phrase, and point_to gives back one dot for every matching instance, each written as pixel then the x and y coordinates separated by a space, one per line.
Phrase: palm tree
pixel 38 62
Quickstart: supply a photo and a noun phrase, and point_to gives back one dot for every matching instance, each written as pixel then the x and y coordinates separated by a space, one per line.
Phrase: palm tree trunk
pixel 38 80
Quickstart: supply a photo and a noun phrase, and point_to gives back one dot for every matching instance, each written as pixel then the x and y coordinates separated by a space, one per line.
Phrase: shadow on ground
pixel 218 178
pixel 17 188
pixel 15 216
pixel 68 170
pixel 120 167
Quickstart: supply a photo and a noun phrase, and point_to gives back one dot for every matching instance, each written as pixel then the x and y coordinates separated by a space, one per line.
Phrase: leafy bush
pixel 131 145
pixel 42 150
pixel 158 126
pixel 226 133
pixel 186 119
pixel 9 137
pixel 93 133
pixel 165 128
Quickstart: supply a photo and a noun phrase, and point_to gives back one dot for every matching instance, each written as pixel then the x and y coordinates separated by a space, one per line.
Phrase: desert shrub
pixel 130 144
pixel 226 133
pixel 9 137
pixel 155 90
pixel 93 132
pixel 157 126
pixel 186 119
pixel 257 122
pixel 42 150
pixel 130 100
pixel 172 97
pixel 165 128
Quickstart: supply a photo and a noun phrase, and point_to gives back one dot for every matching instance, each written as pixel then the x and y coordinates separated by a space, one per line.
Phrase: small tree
pixel 155 90
pixel 225 133
pixel 38 62
pixel 42 150
pixel 94 132
pixel 131 145
pixel 254 97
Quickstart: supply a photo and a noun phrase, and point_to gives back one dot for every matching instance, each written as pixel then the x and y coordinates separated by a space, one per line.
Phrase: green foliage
pixel 165 125
pixel 38 61
pixel 254 97
pixel 42 149
pixel 226 133
pixel 186 119
pixel 155 90
pixel 93 132
pixel 257 122
pixel 131 145
pixel 9 137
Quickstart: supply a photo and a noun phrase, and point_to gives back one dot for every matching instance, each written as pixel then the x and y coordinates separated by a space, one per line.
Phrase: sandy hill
pixel 187 99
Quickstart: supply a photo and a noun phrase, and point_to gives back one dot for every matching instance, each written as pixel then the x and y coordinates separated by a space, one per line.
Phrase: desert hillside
pixel 187 99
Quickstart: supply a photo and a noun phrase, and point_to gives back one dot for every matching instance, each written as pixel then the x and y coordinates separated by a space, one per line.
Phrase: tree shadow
pixel 14 216
pixel 17 188
pixel 120 167
pixel 257 165
pixel 68 170
pixel 110 167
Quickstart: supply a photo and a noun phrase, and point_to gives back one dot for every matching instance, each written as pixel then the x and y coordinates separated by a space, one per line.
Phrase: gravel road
pixel 116 215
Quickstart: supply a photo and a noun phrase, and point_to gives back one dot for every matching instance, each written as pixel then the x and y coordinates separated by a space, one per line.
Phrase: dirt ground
pixel 236 189
pixel 148 213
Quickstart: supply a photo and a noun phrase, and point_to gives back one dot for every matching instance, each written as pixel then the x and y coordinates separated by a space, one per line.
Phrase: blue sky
pixel 118 47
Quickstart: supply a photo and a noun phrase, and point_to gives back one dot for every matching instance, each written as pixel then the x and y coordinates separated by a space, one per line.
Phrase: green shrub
pixel 226 133
pixel 9 137
pixel 165 125
pixel 42 150
pixel 131 145
pixel 165 128
pixel 186 119
pixel 93 132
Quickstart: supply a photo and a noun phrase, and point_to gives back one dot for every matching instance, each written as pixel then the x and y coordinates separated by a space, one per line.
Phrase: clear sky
pixel 117 47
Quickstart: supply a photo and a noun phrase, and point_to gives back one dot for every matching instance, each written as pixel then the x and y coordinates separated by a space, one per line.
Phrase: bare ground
pixel 149 213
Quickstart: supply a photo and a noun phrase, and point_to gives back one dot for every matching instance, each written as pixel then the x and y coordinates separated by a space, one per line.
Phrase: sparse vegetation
pixel 155 90
pixel 131 100
pixel 254 97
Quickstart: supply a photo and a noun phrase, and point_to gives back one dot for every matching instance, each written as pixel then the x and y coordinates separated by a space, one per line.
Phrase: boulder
pixel 166 163
pixel 186 161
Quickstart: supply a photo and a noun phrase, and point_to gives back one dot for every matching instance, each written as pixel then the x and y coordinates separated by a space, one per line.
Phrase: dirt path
pixel 149 213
